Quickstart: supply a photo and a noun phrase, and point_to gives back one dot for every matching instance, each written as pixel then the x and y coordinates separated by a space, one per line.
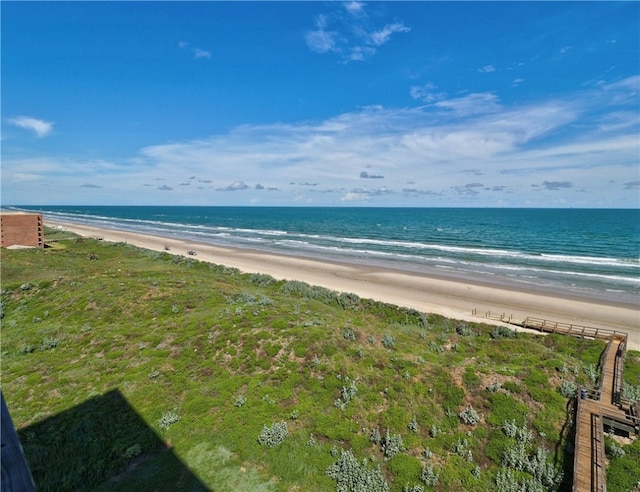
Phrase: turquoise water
pixel 588 251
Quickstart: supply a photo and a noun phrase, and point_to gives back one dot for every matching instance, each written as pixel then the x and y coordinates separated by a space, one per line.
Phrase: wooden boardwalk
pixel 595 409
pixel 589 463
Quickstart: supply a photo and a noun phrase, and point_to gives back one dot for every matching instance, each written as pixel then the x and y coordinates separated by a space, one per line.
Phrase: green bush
pixel 272 349
pixel 511 386
pixel 405 468
pixel 471 378
pixel 623 472
pixel 451 394
pixel 505 407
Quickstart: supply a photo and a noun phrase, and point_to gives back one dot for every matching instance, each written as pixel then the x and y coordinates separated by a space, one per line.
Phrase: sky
pixel 418 104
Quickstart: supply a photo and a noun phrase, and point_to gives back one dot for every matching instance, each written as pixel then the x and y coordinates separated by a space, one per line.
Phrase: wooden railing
pixel 617 373
pixel 578 436
pixel 598 474
pixel 570 329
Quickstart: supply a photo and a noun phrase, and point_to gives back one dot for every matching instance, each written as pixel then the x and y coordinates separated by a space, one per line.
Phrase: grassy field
pixel 127 369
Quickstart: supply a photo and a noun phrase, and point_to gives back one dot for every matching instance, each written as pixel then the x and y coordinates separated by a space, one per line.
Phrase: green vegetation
pixel 241 382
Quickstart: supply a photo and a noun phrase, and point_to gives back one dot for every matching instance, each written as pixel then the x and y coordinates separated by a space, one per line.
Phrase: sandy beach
pixel 448 296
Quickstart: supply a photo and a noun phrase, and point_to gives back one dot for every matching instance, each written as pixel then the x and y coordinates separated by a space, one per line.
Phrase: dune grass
pixel 207 357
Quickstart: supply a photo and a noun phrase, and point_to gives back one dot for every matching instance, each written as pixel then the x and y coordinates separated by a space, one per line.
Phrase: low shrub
pixel 502 332
pixel 392 444
pixel 388 341
pixel 464 330
pixel 352 476
pixel 167 420
pixel 347 393
pixel 568 389
pixel 348 333
pixel 469 416
pixel 49 343
pixel 274 435
pixel 429 476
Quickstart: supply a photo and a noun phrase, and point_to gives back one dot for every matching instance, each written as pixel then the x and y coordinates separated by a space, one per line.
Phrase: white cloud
pixel 40 127
pixel 354 37
pixel 361 53
pixel 378 38
pixel 198 53
pixel 427 93
pixel 354 7
pixel 487 69
pixel 320 40
pixel 483 102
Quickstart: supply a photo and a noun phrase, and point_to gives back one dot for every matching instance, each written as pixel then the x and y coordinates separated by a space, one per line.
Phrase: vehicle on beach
pixel 192 252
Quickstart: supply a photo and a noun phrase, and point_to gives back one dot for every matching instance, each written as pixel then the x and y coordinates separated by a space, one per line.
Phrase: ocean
pixel 594 252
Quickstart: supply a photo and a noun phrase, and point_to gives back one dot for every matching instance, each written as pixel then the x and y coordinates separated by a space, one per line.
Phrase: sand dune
pixel 449 296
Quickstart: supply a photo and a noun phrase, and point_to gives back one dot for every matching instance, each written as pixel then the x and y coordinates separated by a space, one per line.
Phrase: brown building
pixel 21 229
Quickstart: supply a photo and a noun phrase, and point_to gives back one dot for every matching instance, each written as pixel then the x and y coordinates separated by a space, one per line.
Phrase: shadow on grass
pixel 103 444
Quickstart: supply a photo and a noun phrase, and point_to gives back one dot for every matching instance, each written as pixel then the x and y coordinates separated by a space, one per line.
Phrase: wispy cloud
pixel 350 32
pixel 487 69
pixel 483 102
pixel 198 53
pixel 320 40
pixel 427 93
pixel 40 127
pixel 380 37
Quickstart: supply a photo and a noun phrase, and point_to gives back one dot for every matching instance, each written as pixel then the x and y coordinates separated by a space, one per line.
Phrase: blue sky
pixel 474 104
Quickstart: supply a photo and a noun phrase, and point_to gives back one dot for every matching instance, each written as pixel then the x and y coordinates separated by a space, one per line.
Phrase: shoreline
pixel 450 296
